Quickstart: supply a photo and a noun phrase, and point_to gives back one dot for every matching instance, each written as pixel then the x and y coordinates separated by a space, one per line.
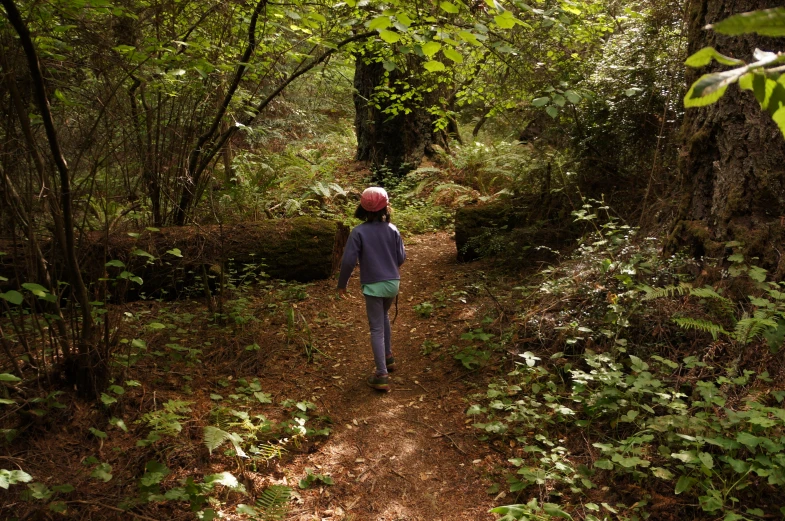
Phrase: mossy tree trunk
pixel 397 142
pixel 733 158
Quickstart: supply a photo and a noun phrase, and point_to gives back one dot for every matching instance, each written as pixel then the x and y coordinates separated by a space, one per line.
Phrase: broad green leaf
pixel 36 289
pixel 552 111
pixel 12 477
pixel 389 36
pixel 684 483
pixel 452 54
pixel 6 377
pixel 431 48
pixel 13 296
pixel 389 66
pixel 541 102
pixel 175 251
pixel 102 472
pixel 155 326
pixel 555 510
pixel 559 100
pixel 224 478
pixel 468 37
pixel 661 473
pixel 766 22
pixel 745 438
pixel 707 54
pixel 380 22
pixel 692 100
pixel 449 7
pixel 603 464
pixel 573 96
pixel 98 433
pixel 116 263
pixel 141 253
pixel 505 20
pixel 404 19
pixel 706 459
pixel 434 66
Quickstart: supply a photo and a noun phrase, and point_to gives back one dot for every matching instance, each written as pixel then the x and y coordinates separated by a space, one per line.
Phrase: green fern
pixel 215 437
pixel 667 291
pixel 749 328
pixel 701 325
pixel 273 504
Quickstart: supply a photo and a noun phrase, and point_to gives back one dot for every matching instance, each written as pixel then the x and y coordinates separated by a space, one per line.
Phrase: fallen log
pixel 515 229
pixel 169 261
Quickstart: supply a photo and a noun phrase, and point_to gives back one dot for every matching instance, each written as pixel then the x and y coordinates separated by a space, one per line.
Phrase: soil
pixel 410 454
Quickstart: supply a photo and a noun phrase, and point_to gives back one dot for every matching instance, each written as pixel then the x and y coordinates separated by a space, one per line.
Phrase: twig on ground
pixel 438 432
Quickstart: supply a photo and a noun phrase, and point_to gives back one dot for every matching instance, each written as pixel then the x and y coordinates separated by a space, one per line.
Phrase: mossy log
pixel 513 228
pixel 172 260
pixel 300 249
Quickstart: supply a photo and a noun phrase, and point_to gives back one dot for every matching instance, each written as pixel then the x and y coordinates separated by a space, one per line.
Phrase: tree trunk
pixel 733 158
pixel 396 142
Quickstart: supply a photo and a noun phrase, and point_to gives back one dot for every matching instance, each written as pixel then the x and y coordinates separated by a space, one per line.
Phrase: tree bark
pixel 396 142
pixel 733 157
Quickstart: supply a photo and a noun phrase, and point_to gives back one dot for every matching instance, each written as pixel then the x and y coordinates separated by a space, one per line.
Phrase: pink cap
pixel 374 199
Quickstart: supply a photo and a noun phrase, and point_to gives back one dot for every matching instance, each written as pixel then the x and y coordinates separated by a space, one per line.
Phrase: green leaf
pixel 468 37
pixel 552 111
pixel 224 478
pixel 102 472
pixel 12 477
pixel 573 96
pixel 98 433
pixel 691 99
pixel 141 253
pixel 380 22
pixel 116 263
pixel 175 251
pixel 541 102
pixel 389 66
pixel 505 20
pixel 707 54
pixel 431 48
pixel 449 7
pixel 389 36
pixel 433 66
pixel 684 484
pixel 36 289
pixel 706 459
pixel 58 506
pixel 661 473
pixel 766 22
pixel 555 510
pixel 66 488
pixel 452 54
pixel 603 464
pixel 13 296
pixel 6 377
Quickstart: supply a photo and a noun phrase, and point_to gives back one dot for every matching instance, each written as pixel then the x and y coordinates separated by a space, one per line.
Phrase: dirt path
pixel 408 454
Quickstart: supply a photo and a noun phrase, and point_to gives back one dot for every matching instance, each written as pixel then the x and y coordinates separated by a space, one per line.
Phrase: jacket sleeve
pixel 351 253
pixel 400 250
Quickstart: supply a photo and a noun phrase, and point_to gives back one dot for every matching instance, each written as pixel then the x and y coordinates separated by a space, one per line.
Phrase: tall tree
pixel 733 158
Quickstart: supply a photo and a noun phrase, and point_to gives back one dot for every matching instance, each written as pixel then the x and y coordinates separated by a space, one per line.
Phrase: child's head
pixel 373 205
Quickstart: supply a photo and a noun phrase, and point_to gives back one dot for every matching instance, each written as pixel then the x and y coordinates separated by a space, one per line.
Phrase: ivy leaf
pixel 449 7
pixel 389 36
pixel 766 22
pixel 452 54
pixel 707 54
pixel 433 66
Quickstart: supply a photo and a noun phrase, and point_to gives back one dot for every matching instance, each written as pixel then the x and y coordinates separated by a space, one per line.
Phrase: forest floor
pixel 410 454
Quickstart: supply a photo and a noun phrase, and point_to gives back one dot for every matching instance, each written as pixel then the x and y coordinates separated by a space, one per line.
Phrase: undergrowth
pixel 639 392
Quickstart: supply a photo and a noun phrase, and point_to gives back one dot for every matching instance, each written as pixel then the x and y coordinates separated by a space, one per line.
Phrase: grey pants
pixel 379 322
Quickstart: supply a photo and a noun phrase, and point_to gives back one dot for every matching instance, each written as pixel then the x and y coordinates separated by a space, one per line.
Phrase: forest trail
pixel 409 454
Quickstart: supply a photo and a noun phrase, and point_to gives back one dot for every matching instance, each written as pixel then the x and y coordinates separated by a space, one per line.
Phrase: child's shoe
pixel 390 362
pixel 380 383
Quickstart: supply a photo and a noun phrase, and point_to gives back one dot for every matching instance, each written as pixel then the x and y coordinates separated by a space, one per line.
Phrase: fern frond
pixel 270 451
pixel 706 292
pixel 706 326
pixel 273 504
pixel 338 189
pixel 667 291
pixel 750 328
pixel 214 437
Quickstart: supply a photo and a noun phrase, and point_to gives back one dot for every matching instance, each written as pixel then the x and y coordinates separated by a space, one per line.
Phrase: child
pixel 379 248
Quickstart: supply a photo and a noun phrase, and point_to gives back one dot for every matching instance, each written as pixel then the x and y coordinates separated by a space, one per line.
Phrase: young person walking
pixel 378 246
